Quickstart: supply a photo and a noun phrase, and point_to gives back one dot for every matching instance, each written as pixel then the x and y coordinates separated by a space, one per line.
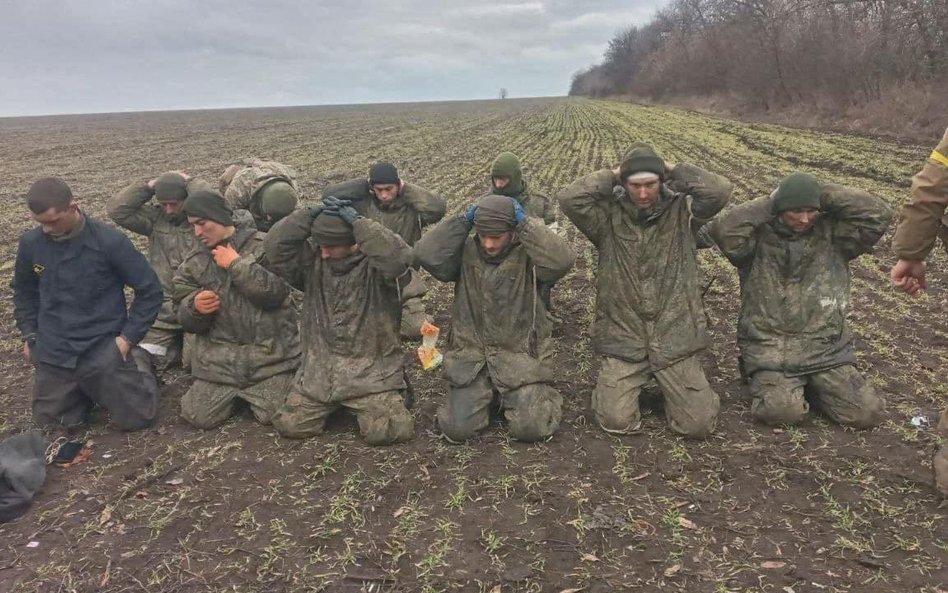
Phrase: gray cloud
pixel 67 56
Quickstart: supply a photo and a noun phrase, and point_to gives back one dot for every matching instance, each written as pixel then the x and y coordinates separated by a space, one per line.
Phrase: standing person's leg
pixel 533 412
pixel 845 397
pixel 125 387
pixel 383 417
pixel 466 409
pixel 778 399
pixel 615 399
pixel 691 406
pixel 266 397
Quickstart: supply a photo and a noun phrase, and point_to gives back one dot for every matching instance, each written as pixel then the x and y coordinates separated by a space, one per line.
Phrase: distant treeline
pixel 775 53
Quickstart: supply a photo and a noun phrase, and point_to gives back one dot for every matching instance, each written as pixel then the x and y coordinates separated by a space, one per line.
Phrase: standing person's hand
pixel 26 351
pixel 909 276
pixel 225 255
pixel 123 345
pixel 207 302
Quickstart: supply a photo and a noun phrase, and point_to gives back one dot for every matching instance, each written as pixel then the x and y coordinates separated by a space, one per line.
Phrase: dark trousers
pixel 127 390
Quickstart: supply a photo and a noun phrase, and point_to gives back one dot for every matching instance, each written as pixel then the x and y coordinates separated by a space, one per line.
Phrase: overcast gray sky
pixel 77 56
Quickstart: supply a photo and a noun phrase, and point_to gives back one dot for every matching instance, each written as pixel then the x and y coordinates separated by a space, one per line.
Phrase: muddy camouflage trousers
pixel 841 393
pixel 166 347
pixel 383 418
pixel 532 411
pixel 691 406
pixel 126 388
pixel 207 405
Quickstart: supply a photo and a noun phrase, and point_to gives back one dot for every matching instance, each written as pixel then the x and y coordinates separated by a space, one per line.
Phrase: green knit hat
pixel 329 229
pixel 797 190
pixel 641 158
pixel 507 165
pixel 209 205
pixel 171 187
pixel 278 199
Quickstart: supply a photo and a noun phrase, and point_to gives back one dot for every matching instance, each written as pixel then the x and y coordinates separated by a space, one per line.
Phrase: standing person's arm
pixel 26 296
pixel 441 249
pixel 429 206
pixel 860 218
pixel 129 208
pixel 920 221
pixel 583 202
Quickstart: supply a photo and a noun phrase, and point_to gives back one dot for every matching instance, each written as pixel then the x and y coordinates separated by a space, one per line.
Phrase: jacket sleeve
pixel 262 287
pixel 25 286
pixel 549 252
pixel 136 272
pixel 286 247
pixel 130 210
pixel 860 218
pixel 441 249
pixel 709 192
pixel 430 206
pixel 920 220
pixel 186 288
pixel 386 251
pixel 583 202
pixel 735 231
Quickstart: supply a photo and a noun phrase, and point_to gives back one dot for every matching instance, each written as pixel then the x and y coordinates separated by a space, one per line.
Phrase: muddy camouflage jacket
pixel 254 334
pixel 413 209
pixel 923 217
pixel 648 306
pixel 169 241
pixel 534 204
pixel 498 318
pixel 795 287
pixel 241 191
pixel 351 309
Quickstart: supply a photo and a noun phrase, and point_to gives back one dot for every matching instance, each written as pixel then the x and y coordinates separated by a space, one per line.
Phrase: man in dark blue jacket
pixel 69 303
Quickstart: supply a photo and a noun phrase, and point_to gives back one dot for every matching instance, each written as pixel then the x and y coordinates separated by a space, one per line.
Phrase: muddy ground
pixel 816 508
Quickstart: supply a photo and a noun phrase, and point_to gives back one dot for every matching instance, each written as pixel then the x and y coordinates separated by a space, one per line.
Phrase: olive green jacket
pixel 648 305
pixel 254 335
pixel 795 287
pixel 351 308
pixel 498 318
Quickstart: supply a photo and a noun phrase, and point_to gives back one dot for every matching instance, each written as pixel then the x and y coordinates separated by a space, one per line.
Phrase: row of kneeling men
pixel 299 311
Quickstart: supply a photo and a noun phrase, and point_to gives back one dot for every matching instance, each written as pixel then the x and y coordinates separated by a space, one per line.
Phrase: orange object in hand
pixel 206 302
pixel 225 255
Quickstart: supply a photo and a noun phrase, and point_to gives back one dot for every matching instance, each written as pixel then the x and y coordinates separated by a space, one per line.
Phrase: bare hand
pixel 123 346
pixel 909 276
pixel 26 351
pixel 207 302
pixel 669 166
pixel 151 183
pixel 225 256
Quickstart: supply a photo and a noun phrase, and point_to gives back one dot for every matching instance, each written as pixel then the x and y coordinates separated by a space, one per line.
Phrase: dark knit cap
pixel 48 192
pixel 494 215
pixel 797 190
pixel 171 187
pixel 329 229
pixel 641 158
pixel 209 205
pixel 383 173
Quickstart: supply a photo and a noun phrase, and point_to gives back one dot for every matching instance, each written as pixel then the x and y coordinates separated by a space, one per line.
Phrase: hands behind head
pixel 342 208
